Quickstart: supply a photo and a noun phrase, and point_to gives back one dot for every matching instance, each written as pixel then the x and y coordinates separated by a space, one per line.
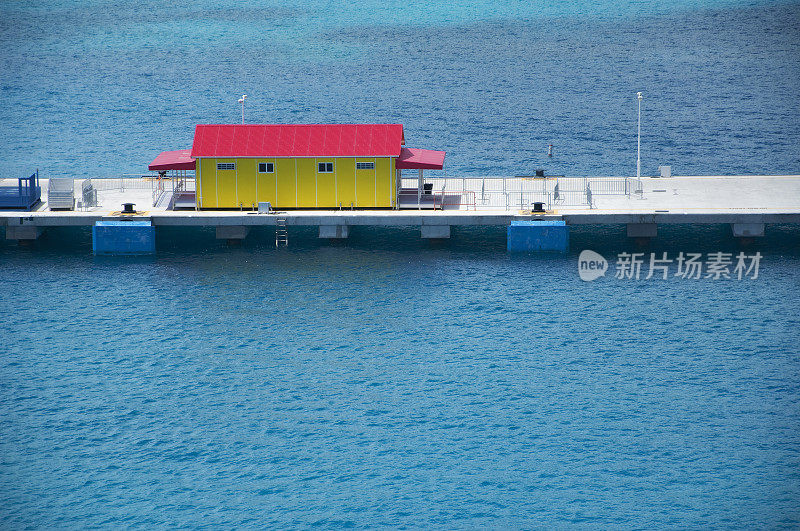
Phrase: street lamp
pixel 241 100
pixel 638 138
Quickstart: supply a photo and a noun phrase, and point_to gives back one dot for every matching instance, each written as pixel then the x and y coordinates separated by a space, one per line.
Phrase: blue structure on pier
pixel 538 236
pixel 123 238
pixel 24 195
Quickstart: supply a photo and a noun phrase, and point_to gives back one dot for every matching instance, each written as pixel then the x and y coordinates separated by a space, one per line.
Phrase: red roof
pixel 311 140
pixel 422 159
pixel 173 160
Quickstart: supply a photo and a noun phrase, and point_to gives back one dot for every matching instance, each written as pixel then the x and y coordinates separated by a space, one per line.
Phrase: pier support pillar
pixel 642 230
pixel 123 238
pixel 334 231
pixel 232 232
pixel 538 236
pixel 747 230
pixel 23 232
pixel 435 232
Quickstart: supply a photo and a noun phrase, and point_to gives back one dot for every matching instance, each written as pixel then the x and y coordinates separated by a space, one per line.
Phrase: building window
pixel 325 167
pixel 365 165
pixel 226 166
pixel 266 167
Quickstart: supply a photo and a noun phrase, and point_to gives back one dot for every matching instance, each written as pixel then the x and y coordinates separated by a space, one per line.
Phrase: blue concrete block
pixel 123 237
pixel 538 236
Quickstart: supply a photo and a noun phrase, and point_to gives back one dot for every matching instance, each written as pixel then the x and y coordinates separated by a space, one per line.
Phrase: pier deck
pixel 673 200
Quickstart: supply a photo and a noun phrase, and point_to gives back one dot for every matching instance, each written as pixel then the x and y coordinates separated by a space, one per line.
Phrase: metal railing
pixel 125 182
pixel 173 185
pixel 471 193
pixel 520 192
pixel 609 186
pixel 88 194
pixel 461 193
pixel 157 184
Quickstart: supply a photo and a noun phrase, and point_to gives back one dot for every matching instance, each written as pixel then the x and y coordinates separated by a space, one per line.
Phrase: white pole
pixel 241 100
pixel 420 186
pixel 639 138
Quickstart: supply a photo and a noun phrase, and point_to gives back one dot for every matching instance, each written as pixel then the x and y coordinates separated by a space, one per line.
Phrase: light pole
pixel 241 100
pixel 638 138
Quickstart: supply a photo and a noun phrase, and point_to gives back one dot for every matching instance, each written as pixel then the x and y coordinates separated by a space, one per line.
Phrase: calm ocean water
pixel 390 382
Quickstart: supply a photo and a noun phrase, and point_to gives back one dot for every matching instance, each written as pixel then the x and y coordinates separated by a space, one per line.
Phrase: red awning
pixel 173 160
pixel 420 159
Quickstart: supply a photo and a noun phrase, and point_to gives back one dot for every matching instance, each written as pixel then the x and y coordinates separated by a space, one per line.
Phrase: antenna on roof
pixel 241 100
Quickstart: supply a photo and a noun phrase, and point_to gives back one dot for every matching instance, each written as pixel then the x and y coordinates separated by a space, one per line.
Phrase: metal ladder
pixel 281 234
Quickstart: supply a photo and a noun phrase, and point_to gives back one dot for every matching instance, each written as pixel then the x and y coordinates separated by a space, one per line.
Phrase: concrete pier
pixel 749 204
pixel 747 230
pixel 642 230
pixel 23 232
pixel 435 232
pixel 334 232
pixel 232 232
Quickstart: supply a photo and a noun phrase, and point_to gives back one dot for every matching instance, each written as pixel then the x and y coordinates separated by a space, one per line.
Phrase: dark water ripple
pixel 413 385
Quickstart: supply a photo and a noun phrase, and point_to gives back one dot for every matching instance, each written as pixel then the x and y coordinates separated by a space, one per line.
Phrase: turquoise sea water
pixel 390 382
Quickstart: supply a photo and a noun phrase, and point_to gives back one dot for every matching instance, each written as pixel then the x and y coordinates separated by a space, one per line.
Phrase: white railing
pixel 172 185
pixel 158 185
pixel 473 193
pixel 125 182
pixel 609 186
pixel 520 192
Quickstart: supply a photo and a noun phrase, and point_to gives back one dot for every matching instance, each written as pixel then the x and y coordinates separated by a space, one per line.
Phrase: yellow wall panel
pixel 392 184
pixel 326 187
pixel 226 186
pixel 365 185
pixel 306 183
pixel 345 182
pixel 266 189
pixel 287 190
pixel 246 183
pixel 208 183
pixel 383 181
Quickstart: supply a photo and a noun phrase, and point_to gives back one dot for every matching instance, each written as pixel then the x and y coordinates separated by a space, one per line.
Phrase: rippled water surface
pixel 387 381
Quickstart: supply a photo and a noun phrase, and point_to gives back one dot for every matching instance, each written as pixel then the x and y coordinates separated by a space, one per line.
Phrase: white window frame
pixel 365 165
pixel 326 166
pixel 266 167
pixel 226 166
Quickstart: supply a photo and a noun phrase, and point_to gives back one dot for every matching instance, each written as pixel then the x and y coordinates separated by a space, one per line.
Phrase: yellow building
pixel 301 166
